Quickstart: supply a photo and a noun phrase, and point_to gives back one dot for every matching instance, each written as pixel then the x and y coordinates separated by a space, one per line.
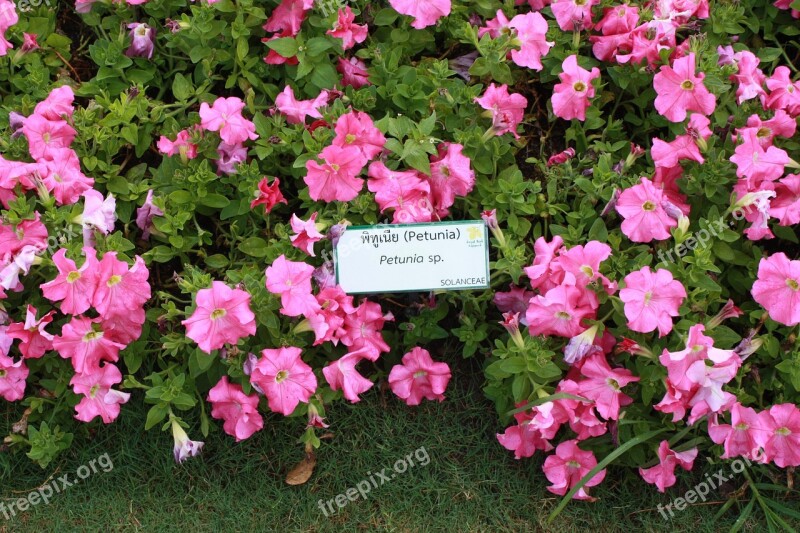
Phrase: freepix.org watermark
pixel 712 482
pixel 26 5
pixel 373 481
pixel 10 507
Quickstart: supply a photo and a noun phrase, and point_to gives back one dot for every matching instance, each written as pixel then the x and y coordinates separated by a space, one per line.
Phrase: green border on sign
pixel 443 223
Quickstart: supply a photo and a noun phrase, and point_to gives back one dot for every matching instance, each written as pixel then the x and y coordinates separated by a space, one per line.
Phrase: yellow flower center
pixel 792 284
pixel 649 206
pixel 350 138
pixel 579 86
pixel 113 280
pixel 281 376
pixel 687 85
pixel 3 373
pixel 216 314
pixel 563 315
pixel 73 276
pixel 92 335
pixel 93 391
pixel 420 374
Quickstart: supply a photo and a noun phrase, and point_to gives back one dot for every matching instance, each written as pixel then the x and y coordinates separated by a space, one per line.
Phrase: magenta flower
pixel 12 378
pixel 604 385
pixel 531 30
pixel 680 90
pixel 663 474
pixel 292 280
pixel 507 110
pixel 306 233
pixel 99 399
pixel 225 116
pixel 222 316
pixel 86 344
pixel 568 465
pixel 284 379
pixel 296 110
pixel 143 40
pixel 523 439
pixel 425 12
pixel 419 377
pixel 347 31
pixel 357 129
pixel 34 340
pixel 288 16
pixel 342 375
pixel 74 287
pixel 777 288
pixel 337 178
pixel 237 409
pixel 645 218
pixel 353 71
pixel 651 300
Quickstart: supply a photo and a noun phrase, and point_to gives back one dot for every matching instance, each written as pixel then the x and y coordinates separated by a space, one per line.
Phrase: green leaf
pixel 254 246
pixel 285 46
pixel 181 87
pixel 156 414
pixel 214 200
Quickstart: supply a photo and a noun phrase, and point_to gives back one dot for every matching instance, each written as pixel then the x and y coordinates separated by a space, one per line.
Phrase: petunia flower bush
pixel 175 177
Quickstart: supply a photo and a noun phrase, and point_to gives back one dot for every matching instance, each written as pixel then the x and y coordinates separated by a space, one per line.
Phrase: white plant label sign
pixel 413 257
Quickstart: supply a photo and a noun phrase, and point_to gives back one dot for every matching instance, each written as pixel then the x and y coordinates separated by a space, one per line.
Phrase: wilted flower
pixel 143 40
pixel 184 448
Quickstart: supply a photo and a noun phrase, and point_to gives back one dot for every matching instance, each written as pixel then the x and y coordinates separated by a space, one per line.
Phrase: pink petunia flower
pixel 283 377
pixel 783 444
pixel 292 280
pixel 342 375
pixel 146 214
pixel 61 174
pixel 337 178
pixel 571 97
pixel 645 218
pixel 651 300
pixel 604 385
pixel 573 15
pixel 531 31
pixel 451 176
pixel 568 465
pixel 237 409
pixel 425 12
pixel 120 289
pixel 745 436
pixel 558 312
pixel 306 233
pixel 353 71
pixel 181 146
pixel 362 330
pixel 8 18
pixel 507 110
pixel 419 377
pixel 296 110
pixel 347 31
pixel 755 163
pixel 222 316
pixel 74 287
pixel 99 399
pixel 357 129
pixel 225 116
pixel 777 288
pixel 143 40
pixel 783 92
pixel 86 344
pixel 46 135
pixel 407 192
pixel 663 474
pixel 34 340
pixel 12 378
pixel 680 90
pixel 749 78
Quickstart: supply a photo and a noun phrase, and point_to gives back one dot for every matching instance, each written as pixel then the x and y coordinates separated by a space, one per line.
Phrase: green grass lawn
pixel 469 484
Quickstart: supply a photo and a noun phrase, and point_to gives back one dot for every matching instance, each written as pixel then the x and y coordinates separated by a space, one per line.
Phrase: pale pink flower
pixel 225 116
pixel 57 105
pixel 531 30
pixel 571 97
pixel 777 288
pixel 745 436
pixel 306 233
pixel 645 218
pixel 292 280
pixel 680 90
pixel 222 316
pixel 651 300
pixel 749 78
pixel 296 110
pixel 783 444
pixel 419 377
pixel 237 409
pixel 99 399
pixel 99 213
pixel 283 377
pixel 182 145
pixel 425 12
pixel 143 40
